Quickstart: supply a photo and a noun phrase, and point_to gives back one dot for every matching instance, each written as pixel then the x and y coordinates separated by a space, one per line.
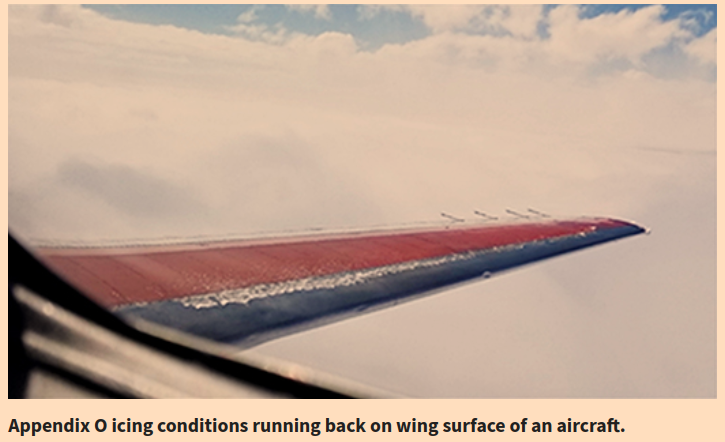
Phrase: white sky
pixel 122 130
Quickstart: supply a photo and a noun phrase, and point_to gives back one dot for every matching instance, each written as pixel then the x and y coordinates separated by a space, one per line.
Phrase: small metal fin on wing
pixel 517 214
pixel 452 218
pixel 485 216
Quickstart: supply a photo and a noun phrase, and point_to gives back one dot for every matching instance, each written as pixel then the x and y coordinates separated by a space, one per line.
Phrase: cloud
pixel 703 49
pixel 126 189
pixel 249 15
pixel 319 11
pixel 248 26
pixel 559 40
pixel 443 18
pixel 610 36
pixel 518 21
pixel 695 18
pixel 369 12
pixel 444 114
pixel 522 20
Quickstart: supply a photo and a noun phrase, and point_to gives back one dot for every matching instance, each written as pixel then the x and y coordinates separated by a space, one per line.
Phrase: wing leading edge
pixel 247 292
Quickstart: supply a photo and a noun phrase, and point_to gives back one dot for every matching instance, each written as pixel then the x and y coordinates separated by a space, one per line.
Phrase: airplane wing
pixel 245 292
